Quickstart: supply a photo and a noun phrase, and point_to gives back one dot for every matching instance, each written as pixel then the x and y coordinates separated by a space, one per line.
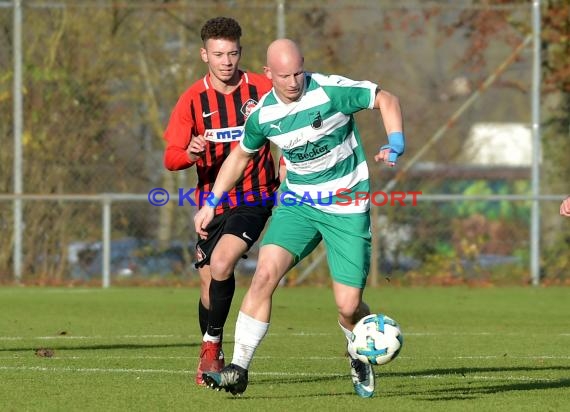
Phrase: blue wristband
pixel 213 201
pixel 396 144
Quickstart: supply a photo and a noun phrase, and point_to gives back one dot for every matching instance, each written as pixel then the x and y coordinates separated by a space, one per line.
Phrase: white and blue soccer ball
pixel 376 339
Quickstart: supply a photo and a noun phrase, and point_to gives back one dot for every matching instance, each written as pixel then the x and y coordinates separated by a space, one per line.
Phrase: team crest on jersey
pixel 248 107
pixel 316 120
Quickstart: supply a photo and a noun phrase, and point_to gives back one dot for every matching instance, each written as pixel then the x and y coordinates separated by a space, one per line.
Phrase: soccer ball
pixel 376 339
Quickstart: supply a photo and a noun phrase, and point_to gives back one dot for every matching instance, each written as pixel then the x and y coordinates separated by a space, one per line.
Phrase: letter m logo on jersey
pixel 224 135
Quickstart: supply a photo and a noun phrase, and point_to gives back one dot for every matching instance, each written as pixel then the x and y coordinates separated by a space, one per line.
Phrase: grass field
pixel 495 349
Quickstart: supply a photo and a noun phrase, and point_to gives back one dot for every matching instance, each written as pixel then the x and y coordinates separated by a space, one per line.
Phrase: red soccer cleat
pixel 211 360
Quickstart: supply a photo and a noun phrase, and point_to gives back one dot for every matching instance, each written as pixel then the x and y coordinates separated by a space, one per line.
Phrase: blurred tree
pixel 102 77
pixel 91 125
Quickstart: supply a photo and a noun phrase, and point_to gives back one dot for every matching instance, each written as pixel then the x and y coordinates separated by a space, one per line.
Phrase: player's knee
pixel 264 278
pixel 349 311
pixel 222 267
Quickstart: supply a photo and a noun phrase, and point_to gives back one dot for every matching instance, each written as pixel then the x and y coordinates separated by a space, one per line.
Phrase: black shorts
pixel 245 222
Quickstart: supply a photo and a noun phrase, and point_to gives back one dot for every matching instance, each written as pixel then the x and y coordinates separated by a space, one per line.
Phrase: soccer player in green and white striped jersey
pixel 309 116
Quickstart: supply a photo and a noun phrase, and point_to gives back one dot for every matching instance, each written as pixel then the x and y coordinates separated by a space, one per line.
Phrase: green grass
pixel 497 349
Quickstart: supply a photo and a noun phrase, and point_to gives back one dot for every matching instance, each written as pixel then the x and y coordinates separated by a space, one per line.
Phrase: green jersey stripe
pixel 339 201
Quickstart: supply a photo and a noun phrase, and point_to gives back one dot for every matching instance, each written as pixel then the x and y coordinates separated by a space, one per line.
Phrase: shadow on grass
pixel 472 392
pixel 471 387
pixel 134 346
pixel 303 379
pixel 466 371
pixel 265 381
pixel 292 396
pixel 463 372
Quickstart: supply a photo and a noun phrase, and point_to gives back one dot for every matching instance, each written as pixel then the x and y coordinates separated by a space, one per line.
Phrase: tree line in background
pixel 100 81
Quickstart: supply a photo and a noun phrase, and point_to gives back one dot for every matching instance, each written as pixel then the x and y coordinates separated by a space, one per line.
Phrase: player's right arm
pixel 182 150
pixel 232 169
pixel 196 148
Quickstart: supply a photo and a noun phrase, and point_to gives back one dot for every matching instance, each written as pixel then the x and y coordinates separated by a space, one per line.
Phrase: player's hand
pixel 202 219
pixel 197 148
pixel 565 207
pixel 384 156
pixel 395 148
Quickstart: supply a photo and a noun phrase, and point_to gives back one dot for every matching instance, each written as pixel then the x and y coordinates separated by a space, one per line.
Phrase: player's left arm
pixel 391 113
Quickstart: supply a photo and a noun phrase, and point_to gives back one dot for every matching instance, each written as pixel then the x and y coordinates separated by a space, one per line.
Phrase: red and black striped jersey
pixel 219 117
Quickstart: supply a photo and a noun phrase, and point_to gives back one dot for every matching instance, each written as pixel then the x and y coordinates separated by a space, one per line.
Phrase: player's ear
pixel 267 72
pixel 204 55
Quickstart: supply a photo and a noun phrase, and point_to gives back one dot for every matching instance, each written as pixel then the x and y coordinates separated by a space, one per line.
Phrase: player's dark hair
pixel 221 28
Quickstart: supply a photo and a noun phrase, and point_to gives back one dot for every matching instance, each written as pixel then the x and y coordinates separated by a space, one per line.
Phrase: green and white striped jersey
pixel 319 140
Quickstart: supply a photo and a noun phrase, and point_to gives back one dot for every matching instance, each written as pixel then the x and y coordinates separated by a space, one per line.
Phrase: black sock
pixel 221 295
pixel 202 317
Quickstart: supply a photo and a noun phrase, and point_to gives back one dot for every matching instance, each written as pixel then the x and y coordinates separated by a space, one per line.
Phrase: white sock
pixel 348 335
pixel 248 336
pixel 209 338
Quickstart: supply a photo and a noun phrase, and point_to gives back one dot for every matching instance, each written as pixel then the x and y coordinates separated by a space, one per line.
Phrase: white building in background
pixel 498 144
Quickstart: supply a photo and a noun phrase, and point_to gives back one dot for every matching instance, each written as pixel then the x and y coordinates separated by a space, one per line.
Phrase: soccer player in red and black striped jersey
pixel 205 126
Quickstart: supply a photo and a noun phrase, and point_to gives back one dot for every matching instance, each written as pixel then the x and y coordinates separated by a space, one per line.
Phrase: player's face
pixel 222 57
pixel 288 80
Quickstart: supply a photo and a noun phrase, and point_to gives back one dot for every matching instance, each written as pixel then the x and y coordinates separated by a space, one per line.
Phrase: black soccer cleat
pixel 362 376
pixel 232 378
